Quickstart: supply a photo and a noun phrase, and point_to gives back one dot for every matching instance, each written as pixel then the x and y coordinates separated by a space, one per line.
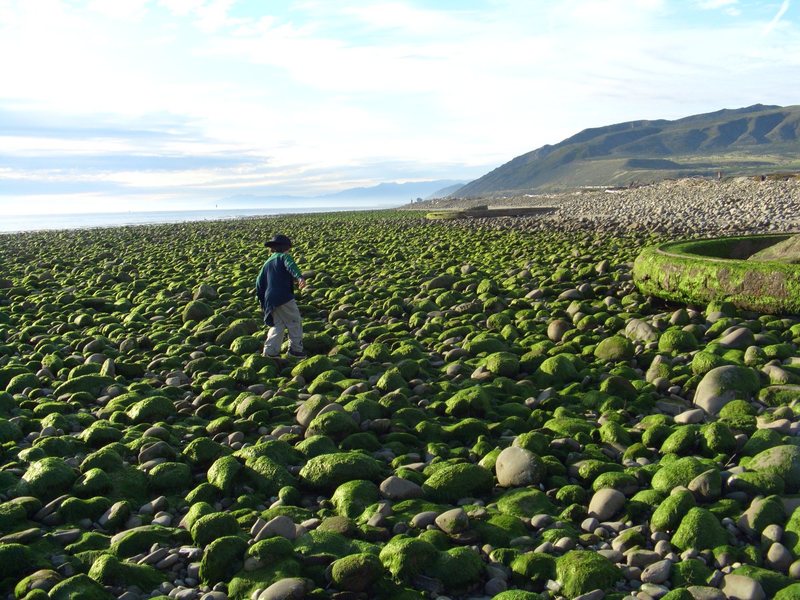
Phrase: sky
pixel 119 105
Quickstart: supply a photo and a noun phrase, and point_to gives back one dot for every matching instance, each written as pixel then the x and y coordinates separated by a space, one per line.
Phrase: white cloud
pixel 776 20
pixel 311 94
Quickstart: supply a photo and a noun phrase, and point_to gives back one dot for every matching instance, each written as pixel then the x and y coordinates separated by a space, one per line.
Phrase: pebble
pixel 397 488
pixel 739 587
pixel 518 467
pixel 691 416
pixel 453 521
pixel 657 572
pixel 605 503
pixel 423 519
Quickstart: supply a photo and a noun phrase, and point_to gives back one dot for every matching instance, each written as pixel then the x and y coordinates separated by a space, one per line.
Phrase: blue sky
pixel 162 104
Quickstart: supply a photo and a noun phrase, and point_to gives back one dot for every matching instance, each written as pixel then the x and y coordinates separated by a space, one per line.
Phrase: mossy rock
pixel 224 473
pixel 457 568
pixel 79 587
pixel 783 461
pixel 668 515
pixel 536 567
pixel 453 482
pixel 675 340
pixel 557 370
pixel 357 572
pixel 329 471
pixel 581 571
pixel 473 401
pixel 91 384
pixel 109 570
pixel 139 539
pixel 336 424
pixel 213 526
pixel 406 557
pixel 504 364
pixel 271 550
pixel 613 349
pixel 17 560
pixel 677 473
pixel 699 529
pixel 49 477
pixel 222 558
pixel 267 476
pixel 203 451
pixel 310 368
pixel 689 572
pixel 352 497
pixel 525 502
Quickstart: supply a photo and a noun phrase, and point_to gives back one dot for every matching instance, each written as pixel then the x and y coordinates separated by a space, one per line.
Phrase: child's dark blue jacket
pixel 275 283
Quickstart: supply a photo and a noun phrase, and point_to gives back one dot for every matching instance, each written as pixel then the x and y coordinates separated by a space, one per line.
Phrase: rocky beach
pixel 683 207
pixel 489 409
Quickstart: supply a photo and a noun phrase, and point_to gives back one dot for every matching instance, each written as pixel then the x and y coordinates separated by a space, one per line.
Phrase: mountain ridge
pixel 729 140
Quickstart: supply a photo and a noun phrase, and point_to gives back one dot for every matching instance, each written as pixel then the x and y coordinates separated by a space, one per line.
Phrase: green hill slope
pixel 756 139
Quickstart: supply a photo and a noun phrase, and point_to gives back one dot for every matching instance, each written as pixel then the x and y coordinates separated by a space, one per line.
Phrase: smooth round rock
pixel 606 503
pixel 739 587
pixel 291 588
pixel 657 572
pixel 516 467
pixel 397 488
pixel 453 521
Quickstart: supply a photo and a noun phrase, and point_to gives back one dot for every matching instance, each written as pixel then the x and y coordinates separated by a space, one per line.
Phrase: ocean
pixel 20 223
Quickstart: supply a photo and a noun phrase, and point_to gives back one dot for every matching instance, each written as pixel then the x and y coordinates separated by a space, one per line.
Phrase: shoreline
pixel 246 213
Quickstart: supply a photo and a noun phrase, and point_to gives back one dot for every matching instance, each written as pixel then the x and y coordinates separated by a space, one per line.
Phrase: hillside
pixel 751 140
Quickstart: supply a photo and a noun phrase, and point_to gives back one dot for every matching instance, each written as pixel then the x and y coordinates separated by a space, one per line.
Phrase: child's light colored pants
pixel 286 318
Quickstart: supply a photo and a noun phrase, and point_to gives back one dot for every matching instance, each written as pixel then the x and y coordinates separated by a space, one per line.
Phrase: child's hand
pixel 301 283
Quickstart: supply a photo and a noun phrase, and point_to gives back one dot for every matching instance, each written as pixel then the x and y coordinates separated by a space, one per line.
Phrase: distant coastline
pixel 29 223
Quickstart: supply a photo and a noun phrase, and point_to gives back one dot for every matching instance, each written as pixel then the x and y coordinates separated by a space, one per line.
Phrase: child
pixel 274 289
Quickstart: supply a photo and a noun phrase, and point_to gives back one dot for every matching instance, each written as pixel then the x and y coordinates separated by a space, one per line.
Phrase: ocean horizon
pixel 49 222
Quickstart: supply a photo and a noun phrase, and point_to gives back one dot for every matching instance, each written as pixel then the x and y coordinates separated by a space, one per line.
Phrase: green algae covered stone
pixel 677 473
pixel 352 497
pixel 783 461
pixel 313 366
pixel 151 410
pixel 614 348
pixel 504 364
pixel 79 587
pixel 49 477
pixel 525 502
pixel 329 471
pixel 271 550
pixel 109 570
pixel 91 384
pixel 171 478
pixel 676 340
pixel 17 560
pixel 668 515
pixel 534 566
pixel 790 592
pixel 689 572
pixel 456 568
pixel 223 473
pixel 557 370
pixel 216 525
pixel 222 559
pixel 581 571
pixel 517 595
pixel 700 530
pixel 469 402
pixel 452 482
pixel 357 572
pixel 406 557
pixel 139 539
